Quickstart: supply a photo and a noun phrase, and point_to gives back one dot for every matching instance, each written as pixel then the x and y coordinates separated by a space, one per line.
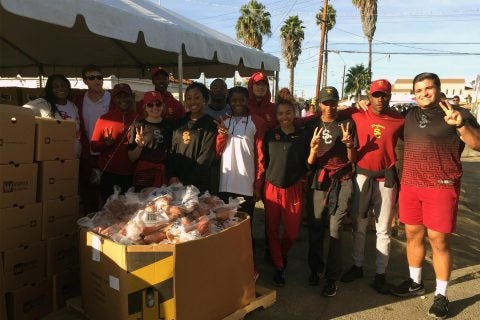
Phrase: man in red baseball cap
pixel 375 184
pixel 109 138
pixel 173 109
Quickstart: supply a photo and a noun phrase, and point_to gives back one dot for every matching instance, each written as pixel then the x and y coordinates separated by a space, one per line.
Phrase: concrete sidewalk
pixel 357 300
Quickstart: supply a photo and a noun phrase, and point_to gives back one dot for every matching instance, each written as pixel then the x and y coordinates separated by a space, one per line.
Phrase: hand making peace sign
pixel 316 138
pixel 108 136
pixel 221 126
pixel 452 117
pixel 139 137
pixel 346 136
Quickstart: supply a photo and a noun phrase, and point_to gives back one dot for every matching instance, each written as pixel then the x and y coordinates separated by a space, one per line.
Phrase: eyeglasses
pixel 153 104
pixel 98 77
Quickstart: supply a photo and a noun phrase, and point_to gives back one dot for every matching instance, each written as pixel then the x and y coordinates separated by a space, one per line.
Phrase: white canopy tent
pixel 124 37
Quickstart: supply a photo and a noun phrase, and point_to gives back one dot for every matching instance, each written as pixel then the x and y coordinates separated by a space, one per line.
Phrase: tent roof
pixel 124 37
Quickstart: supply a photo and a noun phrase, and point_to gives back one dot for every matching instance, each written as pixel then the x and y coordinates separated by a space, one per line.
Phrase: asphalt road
pixel 357 300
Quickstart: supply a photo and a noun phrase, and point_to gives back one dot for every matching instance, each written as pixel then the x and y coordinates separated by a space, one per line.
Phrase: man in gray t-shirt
pixel 218 106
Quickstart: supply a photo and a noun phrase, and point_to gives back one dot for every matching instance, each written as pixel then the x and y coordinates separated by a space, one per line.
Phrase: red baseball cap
pixel 151 96
pixel 155 70
pixel 381 85
pixel 121 87
pixel 259 76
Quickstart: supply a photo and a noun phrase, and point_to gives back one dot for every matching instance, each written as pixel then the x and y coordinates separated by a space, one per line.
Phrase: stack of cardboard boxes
pixel 39 207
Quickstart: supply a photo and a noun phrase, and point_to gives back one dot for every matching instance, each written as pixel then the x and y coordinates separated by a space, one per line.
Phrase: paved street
pixel 357 300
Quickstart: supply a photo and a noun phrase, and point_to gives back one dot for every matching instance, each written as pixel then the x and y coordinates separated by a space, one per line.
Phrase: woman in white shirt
pixel 56 104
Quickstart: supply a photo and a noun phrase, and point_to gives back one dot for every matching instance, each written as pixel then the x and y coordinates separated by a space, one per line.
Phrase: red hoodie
pixel 118 122
pixel 264 109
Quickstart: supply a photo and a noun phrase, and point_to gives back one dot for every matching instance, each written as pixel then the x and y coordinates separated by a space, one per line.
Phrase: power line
pixel 414 53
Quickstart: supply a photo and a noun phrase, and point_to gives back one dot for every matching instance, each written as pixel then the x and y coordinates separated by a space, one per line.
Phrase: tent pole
pixel 180 76
pixel 276 86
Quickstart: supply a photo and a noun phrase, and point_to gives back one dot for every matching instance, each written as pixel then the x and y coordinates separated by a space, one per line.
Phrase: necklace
pixel 327 125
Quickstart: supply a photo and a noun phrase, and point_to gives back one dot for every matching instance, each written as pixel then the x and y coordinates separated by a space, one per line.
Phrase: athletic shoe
pixel 314 279
pixel 279 278
pixel 352 274
pixel 439 308
pixel 380 284
pixel 256 274
pixel 409 288
pixel 330 289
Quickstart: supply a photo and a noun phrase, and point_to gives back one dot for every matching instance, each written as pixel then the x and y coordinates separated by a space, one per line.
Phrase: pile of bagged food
pixel 170 214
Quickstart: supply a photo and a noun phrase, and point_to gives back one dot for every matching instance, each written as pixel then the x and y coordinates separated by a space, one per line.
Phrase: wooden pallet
pixel 76 304
pixel 264 299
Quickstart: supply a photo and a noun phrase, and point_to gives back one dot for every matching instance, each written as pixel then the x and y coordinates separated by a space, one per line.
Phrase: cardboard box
pixel 54 139
pixel 66 285
pixel 62 253
pixel 30 302
pixel 57 179
pixel 18 183
pixel 3 307
pixel 203 279
pixel 17 134
pixel 24 265
pixel 10 96
pixel 20 226
pixel 60 216
pixel 29 94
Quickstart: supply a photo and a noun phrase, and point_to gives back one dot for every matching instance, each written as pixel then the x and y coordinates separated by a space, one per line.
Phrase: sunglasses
pixel 153 104
pixel 98 77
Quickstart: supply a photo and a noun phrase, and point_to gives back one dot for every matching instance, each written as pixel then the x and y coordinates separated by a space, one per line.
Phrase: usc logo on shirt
pixel 377 130
pixel 186 137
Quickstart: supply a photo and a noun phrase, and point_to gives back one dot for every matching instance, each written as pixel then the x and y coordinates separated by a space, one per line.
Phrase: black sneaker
pixel 330 289
pixel 279 278
pixel 380 284
pixel 409 288
pixel 439 308
pixel 352 274
pixel 314 279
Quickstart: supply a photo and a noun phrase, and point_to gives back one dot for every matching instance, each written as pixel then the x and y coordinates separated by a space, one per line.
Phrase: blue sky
pixel 442 28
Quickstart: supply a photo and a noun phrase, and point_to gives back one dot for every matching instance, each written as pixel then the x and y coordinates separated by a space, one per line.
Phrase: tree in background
pixel 330 23
pixel 253 24
pixel 292 35
pixel 368 14
pixel 357 79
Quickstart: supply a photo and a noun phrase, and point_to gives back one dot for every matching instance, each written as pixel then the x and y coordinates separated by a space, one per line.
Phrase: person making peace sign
pixel 149 143
pixel 332 153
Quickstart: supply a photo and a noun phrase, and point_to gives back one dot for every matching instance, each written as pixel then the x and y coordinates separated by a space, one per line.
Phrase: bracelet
pixel 460 125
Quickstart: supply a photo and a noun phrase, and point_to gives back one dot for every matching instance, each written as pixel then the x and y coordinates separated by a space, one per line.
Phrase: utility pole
pixel 320 56
pixel 343 81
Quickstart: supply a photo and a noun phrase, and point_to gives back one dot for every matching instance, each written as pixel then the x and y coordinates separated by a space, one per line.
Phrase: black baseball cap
pixel 328 93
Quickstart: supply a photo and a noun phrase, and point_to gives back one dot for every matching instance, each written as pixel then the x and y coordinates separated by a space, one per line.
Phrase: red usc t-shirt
pixel 432 149
pixel 377 138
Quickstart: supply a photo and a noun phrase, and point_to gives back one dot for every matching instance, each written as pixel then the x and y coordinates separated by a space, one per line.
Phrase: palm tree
pixel 253 24
pixel 368 14
pixel 357 79
pixel 330 23
pixel 291 35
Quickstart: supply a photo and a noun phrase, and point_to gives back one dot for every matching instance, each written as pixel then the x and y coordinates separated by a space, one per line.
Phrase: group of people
pixel 237 143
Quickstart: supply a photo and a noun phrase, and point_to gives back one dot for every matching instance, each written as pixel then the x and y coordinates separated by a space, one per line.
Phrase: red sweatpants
pixel 282 209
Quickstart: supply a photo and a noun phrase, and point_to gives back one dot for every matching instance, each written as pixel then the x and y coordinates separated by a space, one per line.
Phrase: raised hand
pixel 346 136
pixel 108 136
pixel 362 105
pixel 452 117
pixel 316 138
pixel 221 126
pixel 140 137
